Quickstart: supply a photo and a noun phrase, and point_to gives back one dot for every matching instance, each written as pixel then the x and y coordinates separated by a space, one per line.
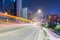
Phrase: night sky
pixel 47 6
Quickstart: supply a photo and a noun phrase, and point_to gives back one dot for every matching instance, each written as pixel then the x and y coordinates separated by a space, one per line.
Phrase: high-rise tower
pixel 19 7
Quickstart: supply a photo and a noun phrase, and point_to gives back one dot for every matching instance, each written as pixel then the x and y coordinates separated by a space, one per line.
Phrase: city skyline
pixel 47 6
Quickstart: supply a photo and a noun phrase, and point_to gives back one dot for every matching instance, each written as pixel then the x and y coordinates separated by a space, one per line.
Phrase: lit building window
pixel 14 0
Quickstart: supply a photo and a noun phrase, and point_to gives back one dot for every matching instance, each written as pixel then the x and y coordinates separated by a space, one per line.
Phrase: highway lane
pixel 25 32
pixel 30 32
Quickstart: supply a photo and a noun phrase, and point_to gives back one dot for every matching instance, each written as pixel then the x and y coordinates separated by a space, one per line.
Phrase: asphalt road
pixel 28 32
pixel 25 32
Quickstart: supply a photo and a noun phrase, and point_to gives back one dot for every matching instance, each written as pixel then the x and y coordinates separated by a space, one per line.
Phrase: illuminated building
pixel 26 13
pixel 19 7
pixel 13 7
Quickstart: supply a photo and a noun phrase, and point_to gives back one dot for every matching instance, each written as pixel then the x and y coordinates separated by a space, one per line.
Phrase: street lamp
pixel 36 17
pixel 6 13
pixel 39 11
pixel 39 17
pixel 39 14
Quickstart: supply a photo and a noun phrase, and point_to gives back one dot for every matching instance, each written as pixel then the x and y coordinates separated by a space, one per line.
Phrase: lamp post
pixel 39 17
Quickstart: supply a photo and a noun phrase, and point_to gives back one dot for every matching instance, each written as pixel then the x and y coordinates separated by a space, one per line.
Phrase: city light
pixel 14 0
pixel 39 11
pixel 6 13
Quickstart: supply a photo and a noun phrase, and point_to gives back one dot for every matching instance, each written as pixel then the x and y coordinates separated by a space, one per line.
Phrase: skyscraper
pixel 26 13
pixel 19 7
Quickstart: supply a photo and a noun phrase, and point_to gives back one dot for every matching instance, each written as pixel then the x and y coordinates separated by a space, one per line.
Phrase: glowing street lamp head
pixel 39 11
pixel 6 13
